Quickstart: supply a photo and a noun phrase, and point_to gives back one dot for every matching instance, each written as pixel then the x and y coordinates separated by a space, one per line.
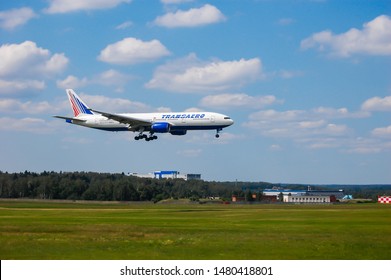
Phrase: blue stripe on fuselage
pixel 197 127
pixel 173 128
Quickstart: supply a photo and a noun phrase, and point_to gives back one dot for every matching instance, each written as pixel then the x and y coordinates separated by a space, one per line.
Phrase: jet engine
pixel 160 127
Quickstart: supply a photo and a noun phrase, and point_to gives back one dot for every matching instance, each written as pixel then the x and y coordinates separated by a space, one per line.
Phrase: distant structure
pixel 308 199
pixel 278 191
pixel 277 194
pixel 169 174
pixel 384 199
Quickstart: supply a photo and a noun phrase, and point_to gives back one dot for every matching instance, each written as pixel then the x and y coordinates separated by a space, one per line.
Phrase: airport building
pixel 277 194
pixel 170 174
pixel 308 199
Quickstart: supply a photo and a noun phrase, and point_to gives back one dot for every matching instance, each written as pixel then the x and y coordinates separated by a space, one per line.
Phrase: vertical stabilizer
pixel 78 106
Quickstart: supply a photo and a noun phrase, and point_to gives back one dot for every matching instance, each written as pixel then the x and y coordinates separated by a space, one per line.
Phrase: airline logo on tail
pixel 78 106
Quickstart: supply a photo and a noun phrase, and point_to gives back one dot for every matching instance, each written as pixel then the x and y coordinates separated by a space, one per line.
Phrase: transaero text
pixel 183 116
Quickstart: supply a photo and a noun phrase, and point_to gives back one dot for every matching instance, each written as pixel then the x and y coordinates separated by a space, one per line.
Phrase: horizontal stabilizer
pixel 69 119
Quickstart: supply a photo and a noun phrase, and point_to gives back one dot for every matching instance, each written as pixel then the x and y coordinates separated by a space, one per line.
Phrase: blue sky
pixel 306 82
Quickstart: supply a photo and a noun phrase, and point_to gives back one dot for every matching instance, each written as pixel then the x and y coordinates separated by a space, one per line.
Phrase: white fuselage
pixel 175 123
pixel 177 120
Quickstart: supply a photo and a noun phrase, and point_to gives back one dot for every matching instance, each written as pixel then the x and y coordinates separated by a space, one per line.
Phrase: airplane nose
pixel 228 121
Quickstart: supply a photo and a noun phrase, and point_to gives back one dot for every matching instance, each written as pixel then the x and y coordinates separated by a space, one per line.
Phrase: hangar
pixel 277 194
pixel 308 199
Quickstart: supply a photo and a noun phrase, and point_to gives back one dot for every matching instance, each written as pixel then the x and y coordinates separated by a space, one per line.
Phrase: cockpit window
pixel 227 118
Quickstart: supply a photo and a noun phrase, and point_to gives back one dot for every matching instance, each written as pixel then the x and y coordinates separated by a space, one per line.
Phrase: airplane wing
pixel 69 118
pixel 134 123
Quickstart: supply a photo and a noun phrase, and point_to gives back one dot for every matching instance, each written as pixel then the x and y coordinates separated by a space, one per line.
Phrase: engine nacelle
pixel 160 127
pixel 178 132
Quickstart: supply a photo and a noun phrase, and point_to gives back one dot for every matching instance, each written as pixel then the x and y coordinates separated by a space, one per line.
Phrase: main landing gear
pixel 146 137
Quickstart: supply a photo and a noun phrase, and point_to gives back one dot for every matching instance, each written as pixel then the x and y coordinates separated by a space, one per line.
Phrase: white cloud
pixel 365 149
pixel 286 74
pixel 334 129
pixel 285 21
pixel 314 129
pixel 373 39
pixel 112 78
pixel 207 14
pixel 193 109
pixel 72 82
pixel 28 60
pixel 190 153
pixel 377 104
pixel 67 6
pixel 382 131
pixel 192 75
pixel 167 2
pixel 100 102
pixel 275 147
pixel 132 51
pixel 205 137
pixel 227 100
pixel 323 143
pixel 338 113
pixel 368 146
pixel 13 86
pixel 16 17
pixel 124 25
pixel 23 66
pixel 118 105
pixel 107 78
pixel 311 124
pixel 276 116
pixel 16 106
pixel 317 128
pixel 305 127
pixel 34 125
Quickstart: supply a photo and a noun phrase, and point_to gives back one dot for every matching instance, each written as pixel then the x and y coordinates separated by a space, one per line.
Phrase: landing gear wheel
pixel 140 136
pixel 149 137
pixel 217 132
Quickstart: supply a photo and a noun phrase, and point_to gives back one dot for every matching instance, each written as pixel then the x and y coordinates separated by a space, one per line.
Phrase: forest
pixel 106 187
pixel 121 187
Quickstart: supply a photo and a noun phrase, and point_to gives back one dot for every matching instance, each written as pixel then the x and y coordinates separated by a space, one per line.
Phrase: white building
pixel 168 175
pixel 277 192
pixel 307 199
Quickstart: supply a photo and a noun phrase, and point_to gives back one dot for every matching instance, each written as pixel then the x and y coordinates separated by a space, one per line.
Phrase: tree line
pixel 107 187
pixel 121 187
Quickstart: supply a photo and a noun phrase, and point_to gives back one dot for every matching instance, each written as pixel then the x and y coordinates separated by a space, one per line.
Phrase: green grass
pixel 36 230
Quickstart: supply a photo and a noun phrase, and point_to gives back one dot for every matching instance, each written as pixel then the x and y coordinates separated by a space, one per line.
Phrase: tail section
pixel 78 106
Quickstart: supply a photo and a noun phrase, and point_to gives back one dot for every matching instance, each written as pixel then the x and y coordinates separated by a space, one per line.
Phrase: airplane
pixel 175 123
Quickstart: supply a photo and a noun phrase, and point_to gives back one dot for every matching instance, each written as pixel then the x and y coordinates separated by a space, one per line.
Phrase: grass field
pixel 37 230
